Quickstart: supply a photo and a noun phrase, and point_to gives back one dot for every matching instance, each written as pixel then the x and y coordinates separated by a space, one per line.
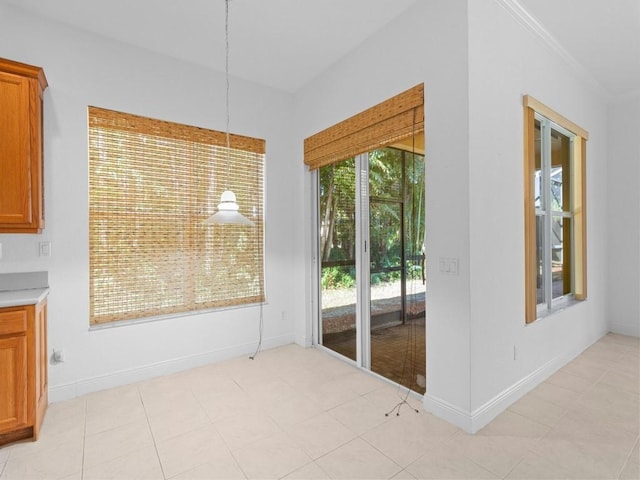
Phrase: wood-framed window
pixel 555 210
pixel 151 185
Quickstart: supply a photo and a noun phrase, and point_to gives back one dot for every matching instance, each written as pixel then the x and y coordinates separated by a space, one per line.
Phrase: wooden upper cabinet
pixel 21 148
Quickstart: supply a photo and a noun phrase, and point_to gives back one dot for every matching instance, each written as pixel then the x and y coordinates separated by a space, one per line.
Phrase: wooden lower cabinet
pixel 23 371
pixel 13 383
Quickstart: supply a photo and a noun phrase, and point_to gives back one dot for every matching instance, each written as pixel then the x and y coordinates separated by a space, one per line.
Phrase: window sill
pixel 568 303
pixel 159 318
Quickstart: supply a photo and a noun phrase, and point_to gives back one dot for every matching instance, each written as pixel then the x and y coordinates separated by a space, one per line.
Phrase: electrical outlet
pixel 58 355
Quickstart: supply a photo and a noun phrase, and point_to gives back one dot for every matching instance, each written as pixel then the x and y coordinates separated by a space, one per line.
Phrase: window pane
pixel 538 183
pixel 385 173
pixel 338 262
pixel 560 172
pixel 338 212
pixel 540 270
pixel 561 256
pixel 385 235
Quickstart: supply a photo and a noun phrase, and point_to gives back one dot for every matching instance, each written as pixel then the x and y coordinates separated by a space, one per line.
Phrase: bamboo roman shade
pixel 388 122
pixel 151 186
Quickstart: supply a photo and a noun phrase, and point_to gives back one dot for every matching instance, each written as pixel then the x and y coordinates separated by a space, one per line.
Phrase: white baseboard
pixel 63 392
pixel 630 329
pixel 472 422
pixel 448 412
pixel 304 341
pixel 68 391
pixel 498 404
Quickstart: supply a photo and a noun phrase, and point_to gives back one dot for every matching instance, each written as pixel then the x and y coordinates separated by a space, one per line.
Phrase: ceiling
pixel 286 43
pixel 279 43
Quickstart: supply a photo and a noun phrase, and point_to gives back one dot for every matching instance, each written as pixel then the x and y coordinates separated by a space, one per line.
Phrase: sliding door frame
pixel 363 258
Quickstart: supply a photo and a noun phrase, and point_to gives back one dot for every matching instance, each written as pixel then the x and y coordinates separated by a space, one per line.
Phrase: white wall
pixel 428 43
pixel 623 227
pixel 83 70
pixel 507 61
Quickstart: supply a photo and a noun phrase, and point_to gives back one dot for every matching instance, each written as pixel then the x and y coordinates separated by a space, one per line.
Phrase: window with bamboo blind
pixel 151 185
pixel 555 210
pixel 391 122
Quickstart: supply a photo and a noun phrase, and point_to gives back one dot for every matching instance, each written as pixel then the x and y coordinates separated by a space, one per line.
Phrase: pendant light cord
pixel 410 354
pixel 262 293
pixel 226 70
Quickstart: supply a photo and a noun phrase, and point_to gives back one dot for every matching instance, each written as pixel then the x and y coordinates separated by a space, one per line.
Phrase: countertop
pixel 19 289
pixel 17 298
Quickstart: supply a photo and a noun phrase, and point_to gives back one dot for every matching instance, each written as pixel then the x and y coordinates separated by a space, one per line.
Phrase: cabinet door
pixel 41 362
pixel 13 382
pixel 15 154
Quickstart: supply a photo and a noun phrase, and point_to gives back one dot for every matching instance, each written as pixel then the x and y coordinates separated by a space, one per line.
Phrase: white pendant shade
pixel 227 208
pixel 228 211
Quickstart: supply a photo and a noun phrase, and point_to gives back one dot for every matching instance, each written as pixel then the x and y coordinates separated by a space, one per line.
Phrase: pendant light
pixel 227 208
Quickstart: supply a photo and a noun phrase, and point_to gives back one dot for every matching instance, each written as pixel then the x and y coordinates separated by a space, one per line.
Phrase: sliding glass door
pixel 371 235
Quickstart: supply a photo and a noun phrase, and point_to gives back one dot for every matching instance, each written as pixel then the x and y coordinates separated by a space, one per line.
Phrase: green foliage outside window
pixel 396 189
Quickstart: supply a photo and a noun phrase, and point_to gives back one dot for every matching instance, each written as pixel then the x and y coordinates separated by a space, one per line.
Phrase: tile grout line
pixel 402 468
pixel 153 437
pixel 84 437
pixel 235 460
pixel 466 456
pixel 615 369
pixel 4 465
pixel 628 459
pixel 306 465
pixel 517 464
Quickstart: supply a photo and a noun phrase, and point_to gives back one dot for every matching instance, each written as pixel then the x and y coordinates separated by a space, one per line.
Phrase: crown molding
pixel 520 13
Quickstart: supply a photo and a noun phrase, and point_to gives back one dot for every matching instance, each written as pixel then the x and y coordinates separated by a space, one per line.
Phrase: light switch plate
pixel 45 249
pixel 449 266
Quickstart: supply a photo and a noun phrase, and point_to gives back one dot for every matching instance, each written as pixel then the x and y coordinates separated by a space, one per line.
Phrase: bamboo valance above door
pixel 395 119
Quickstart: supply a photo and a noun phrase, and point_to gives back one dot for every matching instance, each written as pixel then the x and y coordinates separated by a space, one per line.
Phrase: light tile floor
pixel 295 413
